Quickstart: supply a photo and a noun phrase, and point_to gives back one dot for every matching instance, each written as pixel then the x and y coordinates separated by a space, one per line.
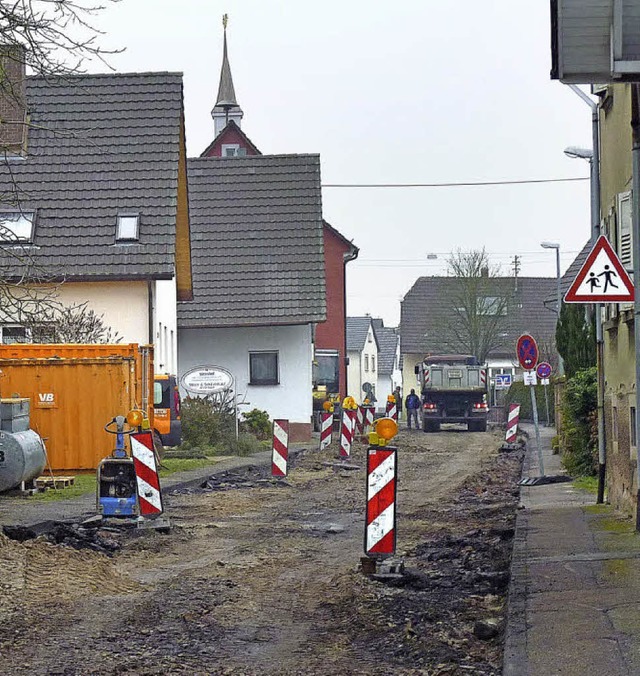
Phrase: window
pixel 233 150
pixel 625 230
pixel 263 368
pixel 10 334
pixel 366 362
pixel 373 363
pixel 632 423
pixel 492 305
pixel 16 226
pixel 127 229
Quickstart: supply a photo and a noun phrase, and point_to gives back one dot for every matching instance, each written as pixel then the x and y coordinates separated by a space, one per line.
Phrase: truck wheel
pixel 482 426
pixel 431 426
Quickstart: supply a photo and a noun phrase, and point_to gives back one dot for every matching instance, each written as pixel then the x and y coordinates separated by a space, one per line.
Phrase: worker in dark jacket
pixel 398 398
pixel 412 404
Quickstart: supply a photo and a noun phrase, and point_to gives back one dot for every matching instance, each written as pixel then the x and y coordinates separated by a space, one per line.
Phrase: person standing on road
pixel 412 404
pixel 398 398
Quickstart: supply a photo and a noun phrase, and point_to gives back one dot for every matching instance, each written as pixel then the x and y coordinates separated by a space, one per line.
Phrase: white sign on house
pixel 207 380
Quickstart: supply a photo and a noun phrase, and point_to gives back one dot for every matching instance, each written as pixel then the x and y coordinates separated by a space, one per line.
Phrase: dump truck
pixel 453 390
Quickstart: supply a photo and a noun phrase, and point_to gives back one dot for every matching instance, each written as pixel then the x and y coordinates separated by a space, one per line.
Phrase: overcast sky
pixel 414 91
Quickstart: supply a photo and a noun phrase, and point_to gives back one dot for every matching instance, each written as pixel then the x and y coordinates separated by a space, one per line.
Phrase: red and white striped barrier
pixel 512 423
pixel 360 419
pixel 326 429
pixel 483 377
pixel 346 437
pixel 148 481
pixel 380 536
pixel 280 454
pixel 392 410
pixel 369 412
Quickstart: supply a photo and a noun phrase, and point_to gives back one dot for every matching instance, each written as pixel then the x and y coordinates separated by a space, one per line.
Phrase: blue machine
pixel 117 491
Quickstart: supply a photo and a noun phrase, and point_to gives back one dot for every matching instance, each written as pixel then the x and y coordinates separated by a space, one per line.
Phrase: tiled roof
pixel 357 329
pixel 99 145
pixel 256 238
pixel 574 268
pixel 387 343
pixel 427 309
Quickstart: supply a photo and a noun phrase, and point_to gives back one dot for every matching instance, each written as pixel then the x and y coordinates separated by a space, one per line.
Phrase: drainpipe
pixel 347 258
pixel 595 233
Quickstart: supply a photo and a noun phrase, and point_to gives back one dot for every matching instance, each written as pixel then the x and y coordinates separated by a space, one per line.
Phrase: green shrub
pixel 579 414
pixel 520 393
pixel 203 425
pixel 257 423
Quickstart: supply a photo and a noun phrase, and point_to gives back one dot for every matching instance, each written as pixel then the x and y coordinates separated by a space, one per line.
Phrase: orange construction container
pixel 74 391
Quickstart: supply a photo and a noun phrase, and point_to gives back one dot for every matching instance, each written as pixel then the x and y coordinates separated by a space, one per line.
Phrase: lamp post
pixel 593 157
pixel 556 246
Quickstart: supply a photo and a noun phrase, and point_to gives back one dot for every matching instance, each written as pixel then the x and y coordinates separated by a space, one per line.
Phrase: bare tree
pixel 58 36
pixel 73 324
pixel 48 38
pixel 478 305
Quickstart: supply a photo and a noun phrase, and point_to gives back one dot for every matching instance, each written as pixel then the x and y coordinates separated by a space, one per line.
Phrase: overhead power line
pixel 456 184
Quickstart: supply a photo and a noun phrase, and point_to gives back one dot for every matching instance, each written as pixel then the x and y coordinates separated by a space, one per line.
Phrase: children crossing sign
pixel 602 278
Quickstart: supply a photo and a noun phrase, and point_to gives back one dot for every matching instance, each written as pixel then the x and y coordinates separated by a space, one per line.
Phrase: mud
pixel 265 579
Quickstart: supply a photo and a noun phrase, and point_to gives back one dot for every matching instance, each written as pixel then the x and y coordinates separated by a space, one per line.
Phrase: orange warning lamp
pixel 391 399
pixel 135 418
pixel 328 406
pixel 349 404
pixel 384 429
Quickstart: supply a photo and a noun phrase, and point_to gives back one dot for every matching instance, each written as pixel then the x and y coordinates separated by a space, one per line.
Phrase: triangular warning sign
pixel 601 279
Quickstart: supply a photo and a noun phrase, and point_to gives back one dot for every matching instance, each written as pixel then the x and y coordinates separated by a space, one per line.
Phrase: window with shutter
pixel 625 236
pixel 625 248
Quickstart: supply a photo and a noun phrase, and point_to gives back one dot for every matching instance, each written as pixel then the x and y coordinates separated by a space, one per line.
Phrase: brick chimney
pixel 13 106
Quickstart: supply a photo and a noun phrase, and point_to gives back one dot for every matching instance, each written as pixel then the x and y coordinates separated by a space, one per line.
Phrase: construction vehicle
pixel 167 425
pixel 326 383
pixel 454 390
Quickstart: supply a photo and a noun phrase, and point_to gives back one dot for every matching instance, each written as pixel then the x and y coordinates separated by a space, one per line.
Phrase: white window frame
pixel 122 221
pixel 366 363
pixel 230 146
pixel 27 334
pixel 25 221
pixel 373 363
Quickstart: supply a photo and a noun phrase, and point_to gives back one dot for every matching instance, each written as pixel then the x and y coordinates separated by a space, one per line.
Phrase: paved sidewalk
pixel 574 597
pixel 23 512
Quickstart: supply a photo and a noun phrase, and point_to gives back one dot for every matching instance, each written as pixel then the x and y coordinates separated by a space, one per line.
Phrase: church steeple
pixel 226 107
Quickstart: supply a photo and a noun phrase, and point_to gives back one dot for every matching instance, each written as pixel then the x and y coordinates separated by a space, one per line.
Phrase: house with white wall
pixel 389 373
pixel 258 279
pixel 94 201
pixel 362 352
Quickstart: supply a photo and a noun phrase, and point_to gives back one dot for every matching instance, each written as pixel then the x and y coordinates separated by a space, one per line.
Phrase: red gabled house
pixel 231 141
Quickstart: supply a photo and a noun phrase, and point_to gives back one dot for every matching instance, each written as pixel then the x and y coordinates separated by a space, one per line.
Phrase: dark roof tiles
pixel 427 308
pixel 99 145
pixel 257 248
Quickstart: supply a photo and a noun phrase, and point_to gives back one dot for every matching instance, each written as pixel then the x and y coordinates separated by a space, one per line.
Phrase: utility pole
pixel 516 269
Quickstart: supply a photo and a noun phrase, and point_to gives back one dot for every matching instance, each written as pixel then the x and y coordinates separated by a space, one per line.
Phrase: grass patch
pixel 586 483
pixel 172 465
pixel 84 483
pixel 598 509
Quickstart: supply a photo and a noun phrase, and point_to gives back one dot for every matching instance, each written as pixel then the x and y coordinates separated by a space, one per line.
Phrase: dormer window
pixel 127 228
pixel 233 150
pixel 16 226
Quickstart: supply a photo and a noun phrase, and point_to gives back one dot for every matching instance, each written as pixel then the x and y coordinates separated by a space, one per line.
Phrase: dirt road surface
pixel 257 578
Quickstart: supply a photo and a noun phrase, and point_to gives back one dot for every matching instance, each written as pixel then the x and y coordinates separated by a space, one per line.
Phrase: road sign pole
pixel 534 406
pixel 546 403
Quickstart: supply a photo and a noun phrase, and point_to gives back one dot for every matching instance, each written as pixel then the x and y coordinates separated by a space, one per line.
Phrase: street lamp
pixel 556 246
pixel 579 153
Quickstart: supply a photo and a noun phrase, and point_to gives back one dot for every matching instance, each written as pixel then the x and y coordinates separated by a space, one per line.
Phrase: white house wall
pixel 166 326
pixel 123 304
pixel 229 349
